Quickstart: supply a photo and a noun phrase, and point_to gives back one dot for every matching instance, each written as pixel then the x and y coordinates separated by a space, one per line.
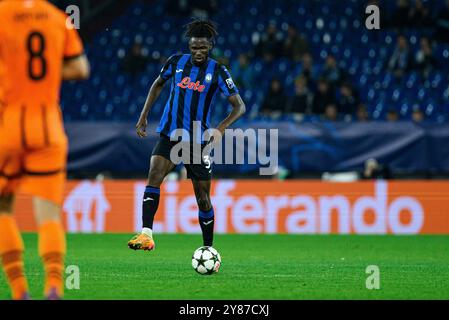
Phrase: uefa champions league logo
pixel 230 83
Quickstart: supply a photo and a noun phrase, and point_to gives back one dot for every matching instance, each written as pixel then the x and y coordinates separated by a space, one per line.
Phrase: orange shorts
pixel 33 152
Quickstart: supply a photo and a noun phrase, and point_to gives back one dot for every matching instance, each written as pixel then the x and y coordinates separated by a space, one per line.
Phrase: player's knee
pixel 46 211
pixel 204 203
pixel 155 178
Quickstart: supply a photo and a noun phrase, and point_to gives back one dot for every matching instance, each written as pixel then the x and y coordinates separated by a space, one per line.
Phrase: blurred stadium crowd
pixel 293 60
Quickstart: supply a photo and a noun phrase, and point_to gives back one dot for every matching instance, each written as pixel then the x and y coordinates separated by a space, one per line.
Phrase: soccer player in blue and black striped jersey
pixel 195 81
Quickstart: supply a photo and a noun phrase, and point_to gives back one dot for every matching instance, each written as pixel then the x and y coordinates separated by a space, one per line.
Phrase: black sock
pixel 150 204
pixel 206 219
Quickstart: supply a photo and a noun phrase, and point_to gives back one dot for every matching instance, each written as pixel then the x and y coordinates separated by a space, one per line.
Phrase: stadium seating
pixel 331 27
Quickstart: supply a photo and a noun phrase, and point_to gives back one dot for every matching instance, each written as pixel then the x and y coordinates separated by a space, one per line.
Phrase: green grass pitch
pixel 253 267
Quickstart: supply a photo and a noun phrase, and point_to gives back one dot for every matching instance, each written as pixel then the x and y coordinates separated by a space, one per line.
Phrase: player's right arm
pixel 155 90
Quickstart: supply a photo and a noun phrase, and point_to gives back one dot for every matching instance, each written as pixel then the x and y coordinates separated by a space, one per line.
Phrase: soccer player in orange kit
pixel 38 50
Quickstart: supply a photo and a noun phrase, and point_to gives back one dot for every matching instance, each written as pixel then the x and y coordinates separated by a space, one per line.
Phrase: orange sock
pixel 52 248
pixel 11 251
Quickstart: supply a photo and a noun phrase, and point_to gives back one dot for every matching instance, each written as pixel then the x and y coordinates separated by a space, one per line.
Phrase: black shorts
pixel 195 171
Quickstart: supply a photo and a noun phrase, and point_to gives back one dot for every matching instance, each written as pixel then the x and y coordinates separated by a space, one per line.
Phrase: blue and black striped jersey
pixel 193 91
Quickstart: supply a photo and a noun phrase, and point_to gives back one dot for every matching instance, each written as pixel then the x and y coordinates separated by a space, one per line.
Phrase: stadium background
pixel 379 165
pixel 350 104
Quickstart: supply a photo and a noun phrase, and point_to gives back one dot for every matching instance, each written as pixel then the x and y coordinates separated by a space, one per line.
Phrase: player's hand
pixel 217 135
pixel 141 127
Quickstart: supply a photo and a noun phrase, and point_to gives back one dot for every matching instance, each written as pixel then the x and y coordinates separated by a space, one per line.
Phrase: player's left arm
pixel 75 65
pixel 238 109
pixel 228 88
pixel 76 69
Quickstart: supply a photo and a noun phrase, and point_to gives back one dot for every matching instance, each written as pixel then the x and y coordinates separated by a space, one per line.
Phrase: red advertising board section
pixel 295 207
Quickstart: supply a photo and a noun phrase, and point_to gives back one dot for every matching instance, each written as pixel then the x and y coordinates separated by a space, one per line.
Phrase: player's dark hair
pixel 201 28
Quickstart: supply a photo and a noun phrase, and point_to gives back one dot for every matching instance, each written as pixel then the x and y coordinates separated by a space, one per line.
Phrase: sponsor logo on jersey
pixel 187 83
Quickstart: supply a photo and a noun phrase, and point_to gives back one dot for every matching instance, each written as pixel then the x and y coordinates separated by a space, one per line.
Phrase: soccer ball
pixel 206 260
